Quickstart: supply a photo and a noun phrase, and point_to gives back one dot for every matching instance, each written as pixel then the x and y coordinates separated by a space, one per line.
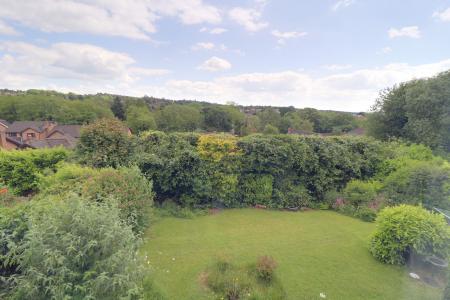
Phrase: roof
pixel 72 130
pixel 19 126
pixel 16 141
pixel 51 143
pixel 4 122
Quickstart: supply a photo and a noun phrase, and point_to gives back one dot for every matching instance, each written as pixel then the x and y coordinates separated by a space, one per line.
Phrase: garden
pixel 191 216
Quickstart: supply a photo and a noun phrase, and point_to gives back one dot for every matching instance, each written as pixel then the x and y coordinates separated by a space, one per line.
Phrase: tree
pixel 418 110
pixel 269 116
pixel 118 109
pixel 105 143
pixel 270 129
pixel 294 121
pixel 177 117
pixel 216 118
pixel 139 119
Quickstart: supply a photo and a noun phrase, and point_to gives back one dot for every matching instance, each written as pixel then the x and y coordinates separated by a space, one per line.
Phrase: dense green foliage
pixel 20 170
pixel 47 105
pixel 126 186
pixel 105 143
pixel 403 230
pixel 78 250
pixel 418 110
pixel 277 171
pixel 147 113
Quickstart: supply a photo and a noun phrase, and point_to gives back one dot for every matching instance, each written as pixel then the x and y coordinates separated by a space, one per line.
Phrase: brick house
pixel 37 134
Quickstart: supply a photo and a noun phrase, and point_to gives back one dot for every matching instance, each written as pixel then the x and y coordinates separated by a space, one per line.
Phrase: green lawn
pixel 317 252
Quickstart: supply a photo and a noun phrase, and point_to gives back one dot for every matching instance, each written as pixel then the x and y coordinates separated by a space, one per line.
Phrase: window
pixel 31 135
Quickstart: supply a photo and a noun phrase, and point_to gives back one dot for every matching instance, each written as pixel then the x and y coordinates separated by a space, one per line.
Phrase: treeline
pixel 418 111
pixel 148 113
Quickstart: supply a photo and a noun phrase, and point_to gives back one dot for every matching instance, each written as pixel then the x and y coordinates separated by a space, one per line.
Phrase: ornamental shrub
pixel 404 229
pixel 77 249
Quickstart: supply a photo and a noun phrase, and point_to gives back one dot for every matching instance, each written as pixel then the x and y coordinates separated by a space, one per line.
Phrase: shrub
pixel 359 193
pixel 126 185
pixel 78 250
pixel 366 214
pixel 265 268
pixel 404 229
pixel 256 189
pixel 105 143
pixel 13 227
pixel 20 170
pixel 423 183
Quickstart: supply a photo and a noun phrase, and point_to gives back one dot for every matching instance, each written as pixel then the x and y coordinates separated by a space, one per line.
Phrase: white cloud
pixel 342 4
pixel 336 67
pixel 203 46
pixel 385 50
pixel 409 31
pixel 248 17
pixel 283 36
pixel 7 30
pixel 215 64
pixel 443 15
pixel 132 18
pixel 89 69
pixel 70 62
pixel 215 30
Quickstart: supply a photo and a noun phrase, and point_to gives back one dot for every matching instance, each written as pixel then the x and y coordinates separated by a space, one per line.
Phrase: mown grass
pixel 316 251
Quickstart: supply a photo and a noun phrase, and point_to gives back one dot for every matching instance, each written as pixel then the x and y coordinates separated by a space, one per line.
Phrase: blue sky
pixel 326 54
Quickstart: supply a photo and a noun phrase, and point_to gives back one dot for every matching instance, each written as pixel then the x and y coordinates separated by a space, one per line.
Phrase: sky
pixel 325 54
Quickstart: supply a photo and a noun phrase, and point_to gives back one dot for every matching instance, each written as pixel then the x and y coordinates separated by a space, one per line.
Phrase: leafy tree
pixel 216 118
pixel 105 143
pixel 177 117
pixel 418 110
pixel 118 108
pixel 294 121
pixel 139 119
pixel 270 129
pixel 269 116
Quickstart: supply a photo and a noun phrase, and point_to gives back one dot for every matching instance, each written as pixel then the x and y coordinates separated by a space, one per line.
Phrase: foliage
pixel 227 281
pixel 140 119
pixel 105 143
pixel 256 189
pixel 216 147
pixel 78 250
pixel 359 193
pixel 270 129
pixel 265 268
pixel 420 182
pixel 177 117
pixel 405 229
pixel 118 109
pixel 132 191
pixel 417 110
pixel 20 170
pixel 13 227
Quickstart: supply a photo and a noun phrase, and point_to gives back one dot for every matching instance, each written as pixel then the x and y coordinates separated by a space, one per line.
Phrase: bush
pixel 359 193
pixel 20 170
pixel 79 250
pixel 256 189
pixel 425 183
pixel 265 267
pixel 105 143
pixel 404 229
pixel 126 185
pixel 366 214
pixel 13 227
pixel 256 281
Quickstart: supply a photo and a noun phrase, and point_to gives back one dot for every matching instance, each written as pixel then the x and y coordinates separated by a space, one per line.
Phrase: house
pixel 37 134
